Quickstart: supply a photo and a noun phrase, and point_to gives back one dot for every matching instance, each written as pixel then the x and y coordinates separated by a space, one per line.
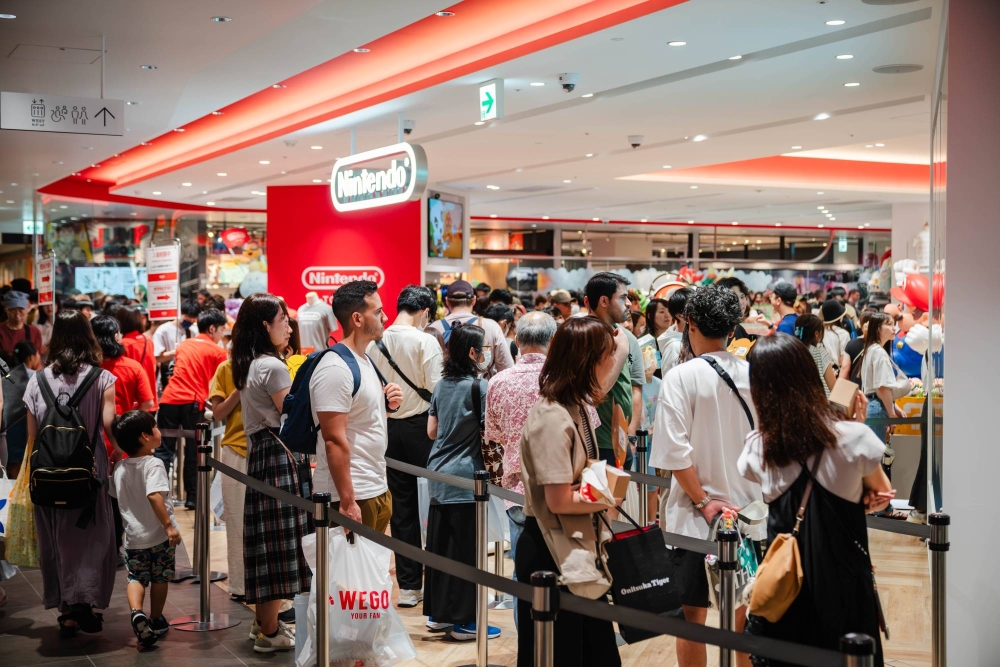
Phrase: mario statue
pixel 913 338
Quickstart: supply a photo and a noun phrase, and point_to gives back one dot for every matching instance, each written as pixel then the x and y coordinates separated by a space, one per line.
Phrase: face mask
pixel 574 309
pixel 484 365
pixel 186 325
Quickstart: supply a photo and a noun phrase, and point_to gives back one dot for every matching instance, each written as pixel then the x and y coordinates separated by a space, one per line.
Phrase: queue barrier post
pixel 858 650
pixel 938 545
pixel 205 620
pixel 544 608
pixel 481 494
pixel 728 542
pixel 321 519
pixel 641 446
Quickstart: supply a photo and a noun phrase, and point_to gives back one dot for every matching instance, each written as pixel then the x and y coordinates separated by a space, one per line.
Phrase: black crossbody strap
pixel 421 392
pixel 732 385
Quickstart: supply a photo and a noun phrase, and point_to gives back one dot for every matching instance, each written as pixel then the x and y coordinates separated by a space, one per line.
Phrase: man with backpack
pixel 349 398
pixel 461 300
pixel 413 359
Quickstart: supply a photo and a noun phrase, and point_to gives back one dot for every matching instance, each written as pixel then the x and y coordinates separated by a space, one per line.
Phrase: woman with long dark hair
pixel 133 390
pixel 454 422
pixel 561 528
pixel 658 318
pixel 137 346
pixel 799 438
pixel 78 563
pixel 809 330
pixel 275 568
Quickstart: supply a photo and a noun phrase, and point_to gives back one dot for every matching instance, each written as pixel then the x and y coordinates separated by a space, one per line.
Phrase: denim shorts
pixel 152 565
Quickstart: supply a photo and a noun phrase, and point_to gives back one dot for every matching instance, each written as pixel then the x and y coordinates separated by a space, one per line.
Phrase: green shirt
pixel 621 392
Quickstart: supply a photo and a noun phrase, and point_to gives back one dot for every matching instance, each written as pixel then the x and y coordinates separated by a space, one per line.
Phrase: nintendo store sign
pixel 332 277
pixel 379 177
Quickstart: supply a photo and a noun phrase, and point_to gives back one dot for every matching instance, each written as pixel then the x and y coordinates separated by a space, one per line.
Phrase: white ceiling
pixel 755 107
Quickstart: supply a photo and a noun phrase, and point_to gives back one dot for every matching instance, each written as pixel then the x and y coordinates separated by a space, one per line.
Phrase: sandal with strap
pixel 88 620
pixel 67 631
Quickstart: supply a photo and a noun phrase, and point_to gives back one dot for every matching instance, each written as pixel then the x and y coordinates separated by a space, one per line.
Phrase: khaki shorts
pixel 375 512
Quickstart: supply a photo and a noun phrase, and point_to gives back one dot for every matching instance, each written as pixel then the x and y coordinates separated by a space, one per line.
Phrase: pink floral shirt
pixel 511 395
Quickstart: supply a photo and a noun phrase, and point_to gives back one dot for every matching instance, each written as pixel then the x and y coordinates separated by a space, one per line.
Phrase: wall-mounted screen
pixel 445 227
pixel 111 280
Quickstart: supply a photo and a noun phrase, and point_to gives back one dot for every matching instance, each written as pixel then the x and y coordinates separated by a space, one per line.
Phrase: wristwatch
pixel 703 503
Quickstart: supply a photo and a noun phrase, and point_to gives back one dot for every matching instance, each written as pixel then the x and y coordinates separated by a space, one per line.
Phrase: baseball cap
pixel 833 311
pixel 14 299
pixel 786 292
pixel 460 289
pixel 560 296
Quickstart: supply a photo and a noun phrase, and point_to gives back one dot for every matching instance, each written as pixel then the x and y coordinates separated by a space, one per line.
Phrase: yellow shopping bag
pixel 22 537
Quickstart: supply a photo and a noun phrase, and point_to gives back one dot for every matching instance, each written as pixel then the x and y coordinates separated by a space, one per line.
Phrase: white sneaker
pixel 280 642
pixel 916 517
pixel 282 627
pixel 409 599
pixel 434 626
pixel 254 629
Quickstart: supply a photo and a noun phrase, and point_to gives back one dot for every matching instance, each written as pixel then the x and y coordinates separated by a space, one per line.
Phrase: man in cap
pixel 562 301
pixel 461 300
pixel 783 300
pixel 14 330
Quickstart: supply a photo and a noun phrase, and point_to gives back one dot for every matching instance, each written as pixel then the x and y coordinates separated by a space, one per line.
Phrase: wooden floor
pixel 901 567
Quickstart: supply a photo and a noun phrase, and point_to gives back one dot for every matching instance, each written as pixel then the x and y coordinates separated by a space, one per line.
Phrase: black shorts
pixel 689 573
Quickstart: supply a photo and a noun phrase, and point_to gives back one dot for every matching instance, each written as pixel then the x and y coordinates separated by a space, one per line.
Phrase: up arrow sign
pixel 491 100
pixel 104 113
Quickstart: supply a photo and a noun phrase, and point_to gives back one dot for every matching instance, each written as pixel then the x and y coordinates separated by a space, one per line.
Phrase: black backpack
pixel 63 473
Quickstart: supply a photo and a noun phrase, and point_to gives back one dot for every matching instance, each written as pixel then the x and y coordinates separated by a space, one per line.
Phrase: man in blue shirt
pixel 783 299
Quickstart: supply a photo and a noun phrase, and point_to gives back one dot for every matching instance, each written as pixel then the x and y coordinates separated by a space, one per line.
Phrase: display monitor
pixel 445 228
pixel 111 280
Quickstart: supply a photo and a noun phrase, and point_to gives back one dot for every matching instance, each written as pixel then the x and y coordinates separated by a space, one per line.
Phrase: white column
pixel 971 459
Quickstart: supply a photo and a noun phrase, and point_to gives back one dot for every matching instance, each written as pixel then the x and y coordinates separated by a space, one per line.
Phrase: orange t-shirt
pixel 140 348
pixel 132 387
pixel 194 367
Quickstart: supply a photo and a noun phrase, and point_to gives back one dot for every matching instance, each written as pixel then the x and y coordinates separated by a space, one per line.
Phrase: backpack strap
pixel 352 365
pixel 85 384
pixel 732 385
pixel 47 395
pixel 421 392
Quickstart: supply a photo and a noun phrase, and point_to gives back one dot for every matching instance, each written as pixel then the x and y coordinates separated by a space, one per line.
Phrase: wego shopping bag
pixel 363 623
pixel 22 537
pixel 642 576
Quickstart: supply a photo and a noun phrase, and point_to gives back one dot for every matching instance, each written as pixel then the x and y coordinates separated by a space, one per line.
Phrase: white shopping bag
pixel 363 623
pixel 215 497
pixel 6 486
pixel 498 527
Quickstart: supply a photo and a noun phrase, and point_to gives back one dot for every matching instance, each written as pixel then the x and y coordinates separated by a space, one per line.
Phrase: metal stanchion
pixel 642 440
pixel 938 546
pixel 321 518
pixel 727 540
pixel 544 608
pixel 500 599
pixel 481 493
pixel 205 620
pixel 858 650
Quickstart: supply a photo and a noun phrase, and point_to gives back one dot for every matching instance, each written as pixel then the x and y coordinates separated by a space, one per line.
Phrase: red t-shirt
pixel 132 387
pixel 194 367
pixel 140 348
pixel 9 338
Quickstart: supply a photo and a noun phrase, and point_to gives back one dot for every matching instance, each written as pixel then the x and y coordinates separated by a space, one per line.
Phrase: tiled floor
pixel 29 635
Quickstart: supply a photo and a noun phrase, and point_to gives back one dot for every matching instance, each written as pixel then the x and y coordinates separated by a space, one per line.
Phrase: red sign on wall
pixel 313 248
pixel 234 237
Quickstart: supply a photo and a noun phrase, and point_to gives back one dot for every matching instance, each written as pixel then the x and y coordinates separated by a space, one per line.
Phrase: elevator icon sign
pixel 51 113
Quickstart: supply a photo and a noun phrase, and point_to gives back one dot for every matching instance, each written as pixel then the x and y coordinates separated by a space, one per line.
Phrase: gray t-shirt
pixel 267 375
pixel 316 321
pixel 457 449
pixel 637 370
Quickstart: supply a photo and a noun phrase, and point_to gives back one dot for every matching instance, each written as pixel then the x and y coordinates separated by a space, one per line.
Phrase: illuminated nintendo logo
pixel 332 277
pixel 380 177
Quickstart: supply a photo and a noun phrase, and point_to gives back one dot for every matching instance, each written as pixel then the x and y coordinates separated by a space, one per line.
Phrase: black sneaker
pixel 143 631
pixel 288 616
pixel 159 626
pixel 189 504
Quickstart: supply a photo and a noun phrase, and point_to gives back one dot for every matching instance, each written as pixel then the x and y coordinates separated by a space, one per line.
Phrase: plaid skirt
pixel 275 568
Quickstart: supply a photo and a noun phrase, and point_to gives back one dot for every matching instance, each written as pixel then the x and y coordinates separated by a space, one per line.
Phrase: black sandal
pixel 67 631
pixel 87 620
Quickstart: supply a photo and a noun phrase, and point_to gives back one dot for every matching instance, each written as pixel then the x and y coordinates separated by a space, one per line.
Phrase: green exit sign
pixel 491 100
pixel 842 244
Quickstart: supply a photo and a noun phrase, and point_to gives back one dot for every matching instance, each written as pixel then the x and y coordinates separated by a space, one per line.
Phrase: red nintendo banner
pixel 313 248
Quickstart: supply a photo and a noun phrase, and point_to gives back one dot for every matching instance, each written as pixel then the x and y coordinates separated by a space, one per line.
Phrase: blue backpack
pixel 298 430
pixel 448 328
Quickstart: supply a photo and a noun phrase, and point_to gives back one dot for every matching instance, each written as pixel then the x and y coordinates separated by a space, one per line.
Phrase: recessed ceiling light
pixel 836 22
pixel 493 215
pixel 87 148
pixel 186 185
pixel 844 56
pixel 316 148
pixel 587 95
pixel 735 223
pixel 57 162
pixel 157 192
pixel 533 225
pixel 221 19
pixel 537 84
pixel 480 122
pixel 179 129
pixel 699 137
pixel 566 180
pixel 596 219
pixel 796 148
pixel 95 166
pixel 821 225
pixel 264 162
pixel 736 57
pixel 492 187
pixel 146 143
pixel 676 43
pixel 824 245
pixel 832 218
pixel 361 50
pixel 13 185
pixel 444 14
pixel 852 84
pixel 8 16
pixel 690 222
pixel 278 85
pixel 64 206
pixel 642 220
pixel 869 145
pixel 868 224
pixel 821 116
pixel 218 113
pixel 821 207
pixel 10 201
pixel 819 193
pixel 208 203
pixel 545 217
pixel 133 213
pixel 204 192
pixel 879 145
pixel 133 104
pixel 317 180
pixel 149 67
pixel 777 224
pixel 222 173
pixel 589 155
pixel 694 187
pixel 861 226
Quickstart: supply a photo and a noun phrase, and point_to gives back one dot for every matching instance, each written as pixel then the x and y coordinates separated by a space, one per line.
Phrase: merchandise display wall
pixel 312 247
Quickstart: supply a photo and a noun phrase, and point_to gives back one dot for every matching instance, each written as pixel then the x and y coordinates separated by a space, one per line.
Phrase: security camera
pixel 408 126
pixel 568 81
pixel 290 142
pixel 636 140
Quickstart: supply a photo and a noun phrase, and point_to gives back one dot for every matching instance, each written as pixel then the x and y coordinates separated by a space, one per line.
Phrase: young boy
pixel 143 491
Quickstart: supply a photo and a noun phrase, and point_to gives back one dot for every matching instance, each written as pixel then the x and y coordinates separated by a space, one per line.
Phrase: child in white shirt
pixel 142 488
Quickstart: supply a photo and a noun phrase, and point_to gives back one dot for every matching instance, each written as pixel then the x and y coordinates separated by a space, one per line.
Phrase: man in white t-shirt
pixel 350 447
pixel 701 425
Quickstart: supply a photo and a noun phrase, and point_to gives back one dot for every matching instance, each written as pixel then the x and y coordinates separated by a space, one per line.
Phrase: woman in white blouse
pixel 881 379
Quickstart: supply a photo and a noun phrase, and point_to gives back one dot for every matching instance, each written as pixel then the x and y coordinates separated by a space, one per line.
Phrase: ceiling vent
pixel 233 199
pixel 55 54
pixel 897 69
pixel 536 188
